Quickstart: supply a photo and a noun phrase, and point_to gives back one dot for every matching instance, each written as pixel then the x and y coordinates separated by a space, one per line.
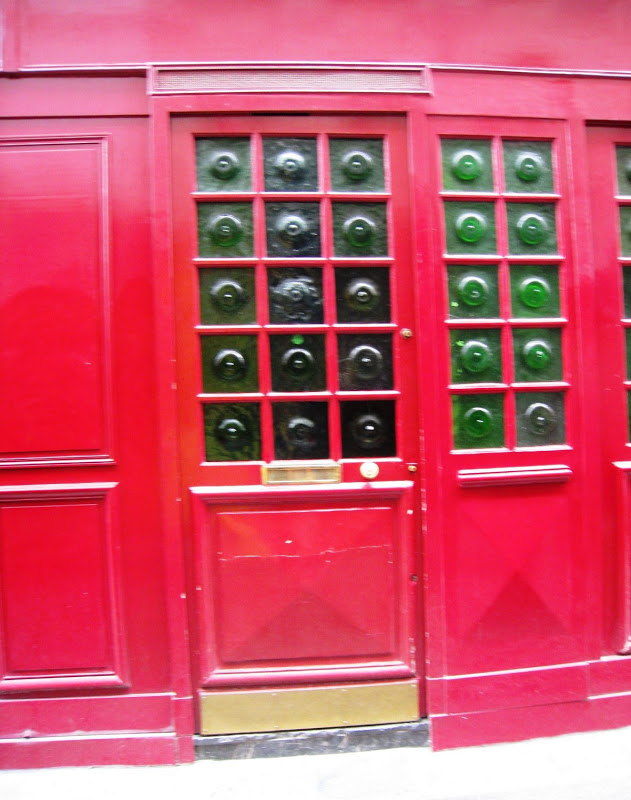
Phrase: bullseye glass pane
pixel 360 229
pixel 295 296
pixel 229 364
pixel 473 291
pixel 478 421
pixel 537 354
pixel 225 230
pixel 232 432
pixel 301 431
pixel 470 227
pixel 625 230
pixel 467 165
pixel 531 228
pixel 368 429
pixel 223 165
pixel 362 294
pixel 293 229
pixel 291 165
pixel 298 363
pixel 528 167
pixel 226 296
pixel 623 161
pixel 540 419
pixel 476 356
pixel 356 165
pixel 626 287
pixel 365 361
pixel 534 291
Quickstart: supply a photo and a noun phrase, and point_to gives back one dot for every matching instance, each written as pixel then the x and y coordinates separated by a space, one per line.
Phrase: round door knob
pixel 226 230
pixel 359 231
pixel 473 290
pixel 369 470
pixel 292 228
pixel 290 165
pixel 532 229
pixel 298 362
pixel 540 418
pixel 232 433
pixel 368 431
pixel 476 356
pixel 537 354
pixel 362 294
pixel 229 365
pixel 528 166
pixel 357 165
pixel 466 165
pixel 470 227
pixel 534 292
pixel 224 166
pixel 478 422
pixel 366 362
pixel 228 295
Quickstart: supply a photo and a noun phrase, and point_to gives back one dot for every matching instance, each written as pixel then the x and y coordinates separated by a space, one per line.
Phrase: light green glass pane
pixel 360 229
pixel 226 296
pixel 473 291
pixel 223 165
pixel 540 418
pixel 476 356
pixel 232 432
pixel 537 354
pixel 225 230
pixel 534 291
pixel 356 165
pixel 531 228
pixel 623 164
pixel 478 421
pixel 625 230
pixel 528 167
pixel 467 165
pixel 229 364
pixel 470 227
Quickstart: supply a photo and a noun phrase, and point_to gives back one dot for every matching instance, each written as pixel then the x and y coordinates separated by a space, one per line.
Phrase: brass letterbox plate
pixel 301 473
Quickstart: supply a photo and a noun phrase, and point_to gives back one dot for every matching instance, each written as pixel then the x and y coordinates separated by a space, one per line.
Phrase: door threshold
pixel 312 742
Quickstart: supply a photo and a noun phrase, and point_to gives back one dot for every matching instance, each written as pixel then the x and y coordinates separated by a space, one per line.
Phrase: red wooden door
pixel 298 426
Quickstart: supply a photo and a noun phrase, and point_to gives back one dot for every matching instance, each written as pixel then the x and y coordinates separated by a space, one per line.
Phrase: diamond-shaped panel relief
pixel 467 165
pixel 226 296
pixel 356 165
pixel 470 227
pixel 232 432
pixel 225 230
pixel 293 229
pixel 223 164
pixel 478 421
pixel 473 291
pixel 229 364
pixel 360 229
pixel 291 165
pixel 365 361
pixel 531 228
pixel 540 418
pixel 301 431
pixel 298 363
pixel 476 356
pixel 528 167
pixel 537 354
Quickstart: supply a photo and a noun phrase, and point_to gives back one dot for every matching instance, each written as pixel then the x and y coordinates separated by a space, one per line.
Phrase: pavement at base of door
pixel 585 766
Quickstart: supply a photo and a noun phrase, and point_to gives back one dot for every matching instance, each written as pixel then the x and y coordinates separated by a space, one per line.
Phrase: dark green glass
pixel 290 165
pixel 360 229
pixel 478 421
pixel 528 167
pixel 623 164
pixel 476 356
pixel 534 291
pixel 467 165
pixel 473 291
pixel 625 230
pixel 232 432
pixel 293 229
pixel 470 227
pixel 626 287
pixel 362 294
pixel 537 354
pixel 627 335
pixel 223 164
pixel 356 165
pixel 540 418
pixel 298 363
pixel 531 228
pixel 225 230
pixel 229 364
pixel 365 361
pixel 295 296
pixel 226 296
pixel 301 431
pixel 368 429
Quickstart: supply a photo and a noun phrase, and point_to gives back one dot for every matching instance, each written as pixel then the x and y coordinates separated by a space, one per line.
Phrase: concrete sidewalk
pixel 585 766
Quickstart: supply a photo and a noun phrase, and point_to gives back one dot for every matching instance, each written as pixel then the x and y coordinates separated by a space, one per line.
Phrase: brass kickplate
pixel 302 708
pixel 301 473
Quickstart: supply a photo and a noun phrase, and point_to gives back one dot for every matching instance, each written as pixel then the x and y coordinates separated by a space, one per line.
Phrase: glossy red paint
pixel 523 553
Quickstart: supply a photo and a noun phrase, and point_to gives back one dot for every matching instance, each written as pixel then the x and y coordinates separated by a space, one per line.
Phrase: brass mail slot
pixel 302 473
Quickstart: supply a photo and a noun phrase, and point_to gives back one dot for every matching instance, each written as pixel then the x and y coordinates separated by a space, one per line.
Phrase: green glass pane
pixel 478 421
pixel 226 296
pixel 537 354
pixel 298 363
pixel 365 361
pixel 625 230
pixel 473 291
pixel 232 432
pixel 540 418
pixel 626 286
pixel 290 165
pixel 293 229
pixel 356 165
pixel 528 167
pixel 534 291
pixel 301 430
pixel 623 163
pixel 467 165
pixel 470 227
pixel 229 364
pixel 360 229
pixel 295 296
pixel 627 335
pixel 225 230
pixel 476 356
pixel 531 228
pixel 368 429
pixel 362 294
pixel 223 165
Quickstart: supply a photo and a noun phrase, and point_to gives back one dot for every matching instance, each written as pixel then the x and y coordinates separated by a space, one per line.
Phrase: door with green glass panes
pixel 298 426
